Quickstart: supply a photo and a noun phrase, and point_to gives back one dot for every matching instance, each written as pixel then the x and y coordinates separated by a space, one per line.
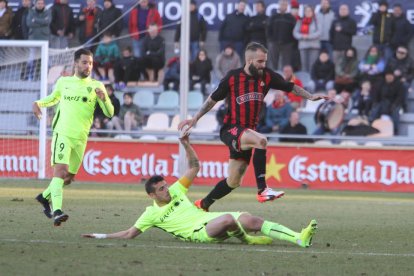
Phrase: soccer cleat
pixel 59 217
pixel 199 204
pixel 46 206
pixel 306 235
pixel 269 195
pixel 258 240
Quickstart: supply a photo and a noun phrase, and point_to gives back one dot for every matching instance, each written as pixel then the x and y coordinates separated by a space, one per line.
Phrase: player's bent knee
pixel 263 142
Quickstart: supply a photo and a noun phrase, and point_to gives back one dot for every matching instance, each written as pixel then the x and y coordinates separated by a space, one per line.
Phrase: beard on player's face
pixel 83 73
pixel 257 73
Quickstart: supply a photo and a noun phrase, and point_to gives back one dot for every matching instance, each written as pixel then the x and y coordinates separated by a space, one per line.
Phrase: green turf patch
pixel 359 234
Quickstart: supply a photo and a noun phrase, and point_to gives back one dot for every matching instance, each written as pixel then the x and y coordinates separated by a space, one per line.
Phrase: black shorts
pixel 230 135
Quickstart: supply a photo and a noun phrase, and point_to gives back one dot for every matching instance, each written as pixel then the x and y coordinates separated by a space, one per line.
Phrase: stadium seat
pixel 54 73
pixel 171 138
pixel 144 99
pixel 307 119
pixel 157 121
pixel 13 123
pixel 123 137
pixel 373 144
pixel 207 123
pixel 195 99
pixel 18 101
pixel 167 100
pixel 148 138
pixel 323 143
pixel 175 121
pixel 348 143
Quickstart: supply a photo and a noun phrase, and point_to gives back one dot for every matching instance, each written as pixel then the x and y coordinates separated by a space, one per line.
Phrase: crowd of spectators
pixel 318 42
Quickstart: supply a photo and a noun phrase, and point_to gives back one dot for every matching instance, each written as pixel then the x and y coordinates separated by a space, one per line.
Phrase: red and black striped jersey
pixel 245 94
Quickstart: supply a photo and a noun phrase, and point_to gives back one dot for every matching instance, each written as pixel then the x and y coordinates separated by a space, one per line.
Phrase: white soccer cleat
pixel 269 195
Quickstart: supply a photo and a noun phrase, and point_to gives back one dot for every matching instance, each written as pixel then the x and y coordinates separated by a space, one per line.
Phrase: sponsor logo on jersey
pixel 252 96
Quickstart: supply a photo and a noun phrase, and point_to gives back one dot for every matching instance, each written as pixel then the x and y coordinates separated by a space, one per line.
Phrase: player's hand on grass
pixel 94 236
pixel 100 94
pixel 37 111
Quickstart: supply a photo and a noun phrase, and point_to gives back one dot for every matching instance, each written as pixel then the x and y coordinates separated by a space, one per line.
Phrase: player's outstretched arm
pixel 297 90
pixel 193 163
pixel 105 103
pixel 126 234
pixel 207 105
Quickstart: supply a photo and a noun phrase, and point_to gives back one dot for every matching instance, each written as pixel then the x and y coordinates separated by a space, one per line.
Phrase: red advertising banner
pixel 287 166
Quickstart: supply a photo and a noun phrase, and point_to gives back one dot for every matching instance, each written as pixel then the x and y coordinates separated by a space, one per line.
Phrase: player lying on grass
pixel 174 213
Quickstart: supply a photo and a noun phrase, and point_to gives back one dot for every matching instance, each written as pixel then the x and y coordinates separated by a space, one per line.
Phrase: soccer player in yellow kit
pixel 77 97
pixel 174 213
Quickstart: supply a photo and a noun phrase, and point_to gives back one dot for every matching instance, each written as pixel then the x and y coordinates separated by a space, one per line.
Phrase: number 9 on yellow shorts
pixel 69 151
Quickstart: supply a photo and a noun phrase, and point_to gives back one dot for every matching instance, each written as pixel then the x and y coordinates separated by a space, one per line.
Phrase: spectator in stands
pixel 227 60
pixel 110 16
pixel 62 27
pixel 130 116
pixel 363 99
pixel 140 19
pixel 372 66
pixel 6 18
pixel 402 29
pixel 221 112
pixel 233 29
pixel 19 26
pixel 383 29
pixel 37 21
pixel 346 70
pixel 403 67
pixel 153 48
pixel 323 72
pixel 277 114
pixel 200 71
pixel 126 69
pixel 294 127
pixel 172 74
pixel 294 11
pixel 325 16
pixel 341 32
pixel 108 123
pixel 97 126
pixel 280 36
pixel 105 56
pixel 308 32
pixel 256 28
pixel 198 31
pixel 390 97
pixel 88 23
pixel 295 101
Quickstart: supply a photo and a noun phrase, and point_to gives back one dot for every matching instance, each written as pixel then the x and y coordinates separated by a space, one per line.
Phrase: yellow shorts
pixel 200 232
pixel 69 151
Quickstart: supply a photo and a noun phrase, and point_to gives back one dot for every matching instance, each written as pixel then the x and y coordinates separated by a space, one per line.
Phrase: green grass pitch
pixel 359 234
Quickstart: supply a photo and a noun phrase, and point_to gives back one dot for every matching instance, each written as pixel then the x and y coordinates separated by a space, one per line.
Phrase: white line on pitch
pixel 218 247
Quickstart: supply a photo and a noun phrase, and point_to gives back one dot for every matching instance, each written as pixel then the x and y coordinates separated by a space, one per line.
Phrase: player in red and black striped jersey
pixel 244 90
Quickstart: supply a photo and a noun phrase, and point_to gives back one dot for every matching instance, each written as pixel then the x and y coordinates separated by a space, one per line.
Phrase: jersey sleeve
pixel 106 106
pixel 222 90
pixel 279 83
pixel 53 98
pixel 145 221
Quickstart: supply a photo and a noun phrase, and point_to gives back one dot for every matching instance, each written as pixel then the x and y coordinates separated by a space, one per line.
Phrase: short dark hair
pixel 149 185
pixel 129 94
pixel 254 46
pixel 82 51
